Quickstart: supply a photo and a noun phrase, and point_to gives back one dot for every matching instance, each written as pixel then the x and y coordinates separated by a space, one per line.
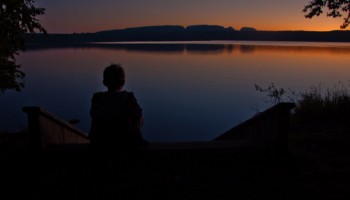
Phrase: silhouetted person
pixel 116 117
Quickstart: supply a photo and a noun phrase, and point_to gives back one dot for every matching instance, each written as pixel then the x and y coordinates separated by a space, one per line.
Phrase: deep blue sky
pixel 67 16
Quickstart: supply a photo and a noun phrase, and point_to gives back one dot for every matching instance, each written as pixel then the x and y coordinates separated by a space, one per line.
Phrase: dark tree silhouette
pixel 336 8
pixel 17 19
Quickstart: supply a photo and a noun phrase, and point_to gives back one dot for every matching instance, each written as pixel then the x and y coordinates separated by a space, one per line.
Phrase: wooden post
pixel 45 129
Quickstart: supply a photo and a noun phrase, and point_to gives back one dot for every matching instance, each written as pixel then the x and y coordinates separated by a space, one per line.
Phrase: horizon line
pixel 185 27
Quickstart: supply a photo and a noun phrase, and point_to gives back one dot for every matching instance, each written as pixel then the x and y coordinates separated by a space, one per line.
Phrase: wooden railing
pixel 45 129
pixel 268 128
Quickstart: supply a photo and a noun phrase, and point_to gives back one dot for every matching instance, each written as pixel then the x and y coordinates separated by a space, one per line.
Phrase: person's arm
pixel 135 111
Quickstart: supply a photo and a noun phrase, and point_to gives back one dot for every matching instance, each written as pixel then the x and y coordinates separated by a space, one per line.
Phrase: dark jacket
pixel 115 120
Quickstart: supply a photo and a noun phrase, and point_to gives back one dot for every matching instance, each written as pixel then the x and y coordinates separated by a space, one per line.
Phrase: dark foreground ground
pixel 177 174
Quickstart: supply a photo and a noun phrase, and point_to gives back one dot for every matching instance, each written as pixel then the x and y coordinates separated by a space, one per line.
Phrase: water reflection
pixel 205 48
pixel 213 48
pixel 247 48
pixel 188 91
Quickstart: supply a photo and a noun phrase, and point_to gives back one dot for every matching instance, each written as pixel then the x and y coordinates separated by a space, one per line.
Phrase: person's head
pixel 114 77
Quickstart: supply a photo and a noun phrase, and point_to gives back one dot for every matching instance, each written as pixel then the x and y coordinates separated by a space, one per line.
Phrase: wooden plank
pixel 266 128
pixel 46 129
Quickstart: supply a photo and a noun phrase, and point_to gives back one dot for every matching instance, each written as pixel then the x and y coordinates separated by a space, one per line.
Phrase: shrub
pixel 316 109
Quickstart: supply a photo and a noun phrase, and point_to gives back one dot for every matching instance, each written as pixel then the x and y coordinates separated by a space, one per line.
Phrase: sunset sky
pixel 67 16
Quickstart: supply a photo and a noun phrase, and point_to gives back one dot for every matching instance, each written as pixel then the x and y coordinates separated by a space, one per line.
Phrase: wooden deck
pixel 246 162
pixel 266 129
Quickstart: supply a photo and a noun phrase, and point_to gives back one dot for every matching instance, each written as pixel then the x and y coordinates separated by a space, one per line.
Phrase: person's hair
pixel 113 76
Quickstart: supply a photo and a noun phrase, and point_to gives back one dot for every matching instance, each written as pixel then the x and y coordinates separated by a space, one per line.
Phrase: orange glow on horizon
pixel 93 16
pixel 289 23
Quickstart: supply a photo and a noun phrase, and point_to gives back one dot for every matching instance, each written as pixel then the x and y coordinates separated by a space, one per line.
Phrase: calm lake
pixel 188 90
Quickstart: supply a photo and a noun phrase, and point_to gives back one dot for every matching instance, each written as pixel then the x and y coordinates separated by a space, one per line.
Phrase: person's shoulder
pixel 98 95
pixel 128 93
pixel 130 97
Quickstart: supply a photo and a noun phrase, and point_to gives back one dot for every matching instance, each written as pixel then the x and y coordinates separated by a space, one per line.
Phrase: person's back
pixel 116 117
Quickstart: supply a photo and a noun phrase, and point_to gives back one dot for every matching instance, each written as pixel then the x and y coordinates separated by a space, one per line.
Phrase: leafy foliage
pixel 336 8
pixel 17 18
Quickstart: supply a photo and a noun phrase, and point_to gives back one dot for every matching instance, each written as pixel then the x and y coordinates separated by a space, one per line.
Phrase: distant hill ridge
pixel 171 28
pixel 190 33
